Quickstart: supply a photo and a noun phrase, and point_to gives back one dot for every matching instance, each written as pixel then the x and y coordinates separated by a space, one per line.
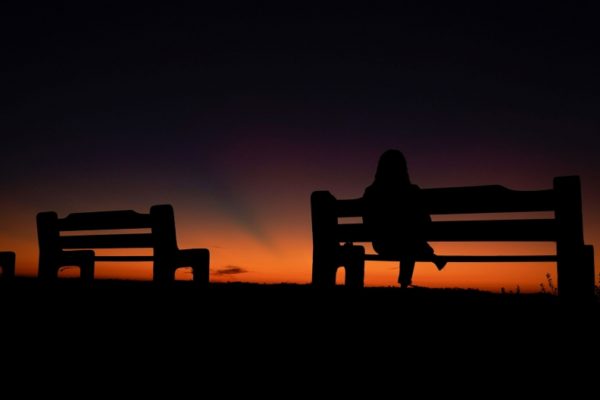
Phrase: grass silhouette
pixel 182 297
pixel 243 322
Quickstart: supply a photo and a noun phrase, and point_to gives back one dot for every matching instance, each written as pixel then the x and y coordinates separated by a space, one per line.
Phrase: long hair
pixel 392 168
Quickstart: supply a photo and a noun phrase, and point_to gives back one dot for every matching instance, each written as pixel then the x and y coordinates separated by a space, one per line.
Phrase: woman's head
pixel 392 168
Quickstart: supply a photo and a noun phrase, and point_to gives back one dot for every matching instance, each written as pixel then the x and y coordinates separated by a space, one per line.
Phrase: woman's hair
pixel 392 168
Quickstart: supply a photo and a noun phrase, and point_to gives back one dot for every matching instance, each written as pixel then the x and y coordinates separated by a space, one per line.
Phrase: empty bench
pixel 334 242
pixel 7 264
pixel 68 242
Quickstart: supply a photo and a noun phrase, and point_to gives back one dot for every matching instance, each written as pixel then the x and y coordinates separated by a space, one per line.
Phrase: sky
pixel 235 114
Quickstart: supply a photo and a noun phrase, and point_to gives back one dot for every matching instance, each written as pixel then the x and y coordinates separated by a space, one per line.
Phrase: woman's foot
pixel 439 262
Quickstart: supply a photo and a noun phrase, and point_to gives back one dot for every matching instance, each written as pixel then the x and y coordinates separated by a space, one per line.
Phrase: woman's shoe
pixel 439 262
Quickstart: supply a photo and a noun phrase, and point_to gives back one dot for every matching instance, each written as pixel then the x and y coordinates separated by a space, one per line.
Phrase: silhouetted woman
pixel 396 217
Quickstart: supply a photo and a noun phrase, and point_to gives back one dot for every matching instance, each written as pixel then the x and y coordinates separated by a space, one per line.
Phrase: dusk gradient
pixel 235 116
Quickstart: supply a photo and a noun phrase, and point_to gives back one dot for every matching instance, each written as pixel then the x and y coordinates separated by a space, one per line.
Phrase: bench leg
pixel 163 274
pixel 48 271
pixel 84 259
pixel 576 275
pixel 197 259
pixel 7 264
pixel 323 274
pixel 87 271
pixel 352 258
pixel 355 267
pixel 201 267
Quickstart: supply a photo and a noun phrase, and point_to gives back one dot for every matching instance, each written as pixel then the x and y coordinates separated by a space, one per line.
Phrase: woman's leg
pixel 426 251
pixel 407 267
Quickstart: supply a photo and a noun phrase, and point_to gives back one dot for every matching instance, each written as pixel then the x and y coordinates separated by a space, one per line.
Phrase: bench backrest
pixel 575 260
pixel 159 235
pixel 564 199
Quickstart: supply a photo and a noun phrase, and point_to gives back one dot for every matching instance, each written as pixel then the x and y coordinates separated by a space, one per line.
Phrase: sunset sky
pixel 235 115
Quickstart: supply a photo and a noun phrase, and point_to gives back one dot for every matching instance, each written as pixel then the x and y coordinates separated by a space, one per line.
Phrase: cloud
pixel 230 270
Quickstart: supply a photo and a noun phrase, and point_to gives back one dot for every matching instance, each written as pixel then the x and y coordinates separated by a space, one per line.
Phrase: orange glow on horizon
pixel 291 258
pixel 282 251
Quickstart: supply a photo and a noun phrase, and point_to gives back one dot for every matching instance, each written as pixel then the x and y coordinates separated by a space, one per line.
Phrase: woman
pixel 396 218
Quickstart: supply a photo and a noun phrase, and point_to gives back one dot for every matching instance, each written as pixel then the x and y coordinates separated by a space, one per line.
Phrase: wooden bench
pixel 57 243
pixel 7 264
pixel 333 242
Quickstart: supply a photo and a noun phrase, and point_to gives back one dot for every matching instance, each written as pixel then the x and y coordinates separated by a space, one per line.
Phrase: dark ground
pixel 258 336
pixel 131 304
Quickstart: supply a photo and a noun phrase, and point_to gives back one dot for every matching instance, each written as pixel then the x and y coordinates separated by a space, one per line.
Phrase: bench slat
pixel 486 199
pixel 124 258
pixel 141 240
pixel 125 219
pixel 468 200
pixel 495 230
pixel 533 230
pixel 524 258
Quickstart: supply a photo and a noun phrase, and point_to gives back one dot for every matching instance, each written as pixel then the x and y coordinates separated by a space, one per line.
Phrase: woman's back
pixel 394 211
pixel 396 219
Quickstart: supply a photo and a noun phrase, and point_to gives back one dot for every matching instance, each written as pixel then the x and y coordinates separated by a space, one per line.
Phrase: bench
pixel 7 264
pixel 68 242
pixel 333 242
